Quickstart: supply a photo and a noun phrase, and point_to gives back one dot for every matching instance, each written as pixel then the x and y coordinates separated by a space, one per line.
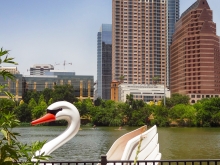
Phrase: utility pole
pixel 164 97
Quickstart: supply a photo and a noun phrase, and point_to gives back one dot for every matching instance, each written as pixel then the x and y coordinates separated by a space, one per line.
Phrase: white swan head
pixel 61 110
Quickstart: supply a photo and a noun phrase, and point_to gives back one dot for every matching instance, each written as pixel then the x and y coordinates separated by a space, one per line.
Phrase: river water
pixel 90 144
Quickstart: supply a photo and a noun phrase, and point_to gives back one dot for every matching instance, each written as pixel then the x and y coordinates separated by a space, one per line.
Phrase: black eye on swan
pixel 54 112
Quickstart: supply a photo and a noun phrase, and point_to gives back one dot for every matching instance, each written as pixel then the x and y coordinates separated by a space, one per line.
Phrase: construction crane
pixel 64 64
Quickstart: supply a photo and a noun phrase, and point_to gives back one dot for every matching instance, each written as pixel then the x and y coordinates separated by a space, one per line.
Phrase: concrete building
pixel 40 69
pixel 141 31
pixel 195 54
pixel 143 92
pixel 11 69
pixel 104 62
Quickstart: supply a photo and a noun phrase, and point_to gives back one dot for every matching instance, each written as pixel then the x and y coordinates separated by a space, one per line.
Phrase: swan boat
pixel 124 148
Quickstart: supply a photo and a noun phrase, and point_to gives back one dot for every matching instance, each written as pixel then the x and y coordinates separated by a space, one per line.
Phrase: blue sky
pixel 54 31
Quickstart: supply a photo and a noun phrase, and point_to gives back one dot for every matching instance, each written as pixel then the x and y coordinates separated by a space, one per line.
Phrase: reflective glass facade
pixel 83 85
pixel 104 61
pixel 172 18
pixel 13 86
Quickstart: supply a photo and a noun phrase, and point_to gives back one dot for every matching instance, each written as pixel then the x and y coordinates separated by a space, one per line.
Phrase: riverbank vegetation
pixel 175 112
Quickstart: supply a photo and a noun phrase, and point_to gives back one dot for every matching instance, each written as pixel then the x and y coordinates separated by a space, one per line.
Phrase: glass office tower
pixel 172 18
pixel 104 61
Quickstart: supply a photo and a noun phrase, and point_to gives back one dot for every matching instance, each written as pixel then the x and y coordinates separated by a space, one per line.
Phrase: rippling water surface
pixel 90 144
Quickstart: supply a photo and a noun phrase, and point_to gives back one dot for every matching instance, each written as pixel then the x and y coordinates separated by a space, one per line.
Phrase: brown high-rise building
pixel 195 54
pixel 140 32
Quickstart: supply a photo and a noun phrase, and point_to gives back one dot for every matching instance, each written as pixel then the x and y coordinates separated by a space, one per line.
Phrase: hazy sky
pixel 54 31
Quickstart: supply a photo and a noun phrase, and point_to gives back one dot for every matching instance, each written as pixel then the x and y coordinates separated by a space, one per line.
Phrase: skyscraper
pixel 104 61
pixel 172 18
pixel 195 54
pixel 141 31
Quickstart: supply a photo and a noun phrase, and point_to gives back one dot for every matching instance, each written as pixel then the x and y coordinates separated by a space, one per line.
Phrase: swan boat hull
pixel 141 140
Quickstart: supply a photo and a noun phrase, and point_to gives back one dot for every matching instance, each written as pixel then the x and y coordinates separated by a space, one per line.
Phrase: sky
pixel 59 32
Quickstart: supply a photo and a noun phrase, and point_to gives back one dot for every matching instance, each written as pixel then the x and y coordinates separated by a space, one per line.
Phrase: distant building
pixel 16 86
pixel 104 62
pixel 40 69
pixel 83 85
pixel 143 92
pixel 195 54
pixel 11 69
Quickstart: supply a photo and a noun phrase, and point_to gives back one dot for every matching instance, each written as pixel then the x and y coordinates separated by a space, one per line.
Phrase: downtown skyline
pixel 51 32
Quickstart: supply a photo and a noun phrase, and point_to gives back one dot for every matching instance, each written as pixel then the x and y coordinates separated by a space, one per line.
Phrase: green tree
pixel 140 117
pixel 98 101
pixel 41 99
pixel 32 103
pixel 121 108
pixel 84 107
pixel 64 92
pixel 183 114
pixel 121 78
pixel 115 115
pixel 48 94
pixel 23 113
pixel 209 114
pixel 190 115
pixel 11 150
pixel 155 79
pixel 39 110
pixel 50 101
pixel 5 59
pixel 8 104
pixel 160 115
pixel 177 112
pixel 99 116
pixel 175 99
pixel 31 94
pixel 130 99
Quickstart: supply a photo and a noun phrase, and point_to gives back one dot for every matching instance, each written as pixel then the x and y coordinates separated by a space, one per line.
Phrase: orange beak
pixel 47 118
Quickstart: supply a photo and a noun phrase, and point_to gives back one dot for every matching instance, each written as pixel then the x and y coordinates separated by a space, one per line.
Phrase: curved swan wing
pixel 132 144
pixel 118 147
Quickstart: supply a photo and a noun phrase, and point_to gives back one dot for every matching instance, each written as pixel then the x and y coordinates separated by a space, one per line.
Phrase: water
pixel 90 144
pixel 189 143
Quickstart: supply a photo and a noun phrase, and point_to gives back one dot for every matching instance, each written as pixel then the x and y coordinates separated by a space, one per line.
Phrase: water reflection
pixel 90 144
